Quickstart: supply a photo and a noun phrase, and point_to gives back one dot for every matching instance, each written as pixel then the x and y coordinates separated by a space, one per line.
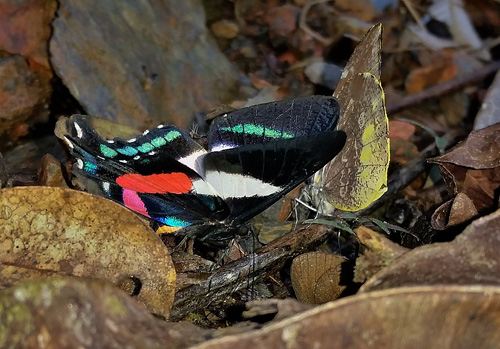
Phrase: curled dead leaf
pixel 481 150
pixel 471 171
pixel 53 230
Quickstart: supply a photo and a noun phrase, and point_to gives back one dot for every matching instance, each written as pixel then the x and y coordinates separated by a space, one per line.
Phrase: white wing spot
pixel 152 153
pixel 68 142
pixel 110 141
pixel 78 129
pixel 145 132
pixel 79 163
pixel 105 186
pixel 137 157
pixel 160 126
pixel 123 161
pixel 221 146
pixel 132 140
pixel 190 160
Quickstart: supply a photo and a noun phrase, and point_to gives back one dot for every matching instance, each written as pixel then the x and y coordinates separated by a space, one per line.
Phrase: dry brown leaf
pixel 472 258
pixel 54 230
pixel 24 94
pixel 403 151
pixel 280 308
pixel 225 29
pixel 282 20
pixel 25 76
pixel 410 317
pixel 400 129
pixel 481 150
pixel 316 277
pixel 30 41
pixel 109 129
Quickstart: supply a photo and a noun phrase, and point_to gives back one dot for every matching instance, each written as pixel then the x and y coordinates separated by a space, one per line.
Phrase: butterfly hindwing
pixel 152 183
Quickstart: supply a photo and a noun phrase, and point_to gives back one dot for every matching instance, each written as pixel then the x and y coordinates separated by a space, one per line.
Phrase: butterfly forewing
pixel 270 122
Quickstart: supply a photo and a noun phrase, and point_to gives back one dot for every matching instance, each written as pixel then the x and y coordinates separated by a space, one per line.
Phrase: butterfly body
pixel 255 156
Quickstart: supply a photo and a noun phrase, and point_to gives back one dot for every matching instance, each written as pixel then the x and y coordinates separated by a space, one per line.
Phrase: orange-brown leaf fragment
pixel 377 253
pixel 431 75
pixel 55 230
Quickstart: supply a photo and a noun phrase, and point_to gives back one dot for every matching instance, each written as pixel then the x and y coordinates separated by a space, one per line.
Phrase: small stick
pixel 442 89
pixel 303 23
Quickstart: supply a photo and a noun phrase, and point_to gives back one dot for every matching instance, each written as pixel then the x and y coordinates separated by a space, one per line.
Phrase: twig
pixel 414 14
pixel 442 89
pixel 305 27
pixel 235 275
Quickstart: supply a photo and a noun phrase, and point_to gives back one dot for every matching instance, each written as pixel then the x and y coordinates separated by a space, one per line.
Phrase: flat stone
pixel 140 63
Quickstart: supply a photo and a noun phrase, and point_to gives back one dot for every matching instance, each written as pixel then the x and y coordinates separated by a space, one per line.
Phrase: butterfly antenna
pixel 299 201
pixel 193 130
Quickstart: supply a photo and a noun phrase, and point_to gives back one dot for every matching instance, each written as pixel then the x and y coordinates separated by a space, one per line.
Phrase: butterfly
pixel 255 156
pixel 358 175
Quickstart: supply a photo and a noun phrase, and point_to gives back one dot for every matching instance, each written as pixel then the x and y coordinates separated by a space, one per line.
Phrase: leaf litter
pixel 436 59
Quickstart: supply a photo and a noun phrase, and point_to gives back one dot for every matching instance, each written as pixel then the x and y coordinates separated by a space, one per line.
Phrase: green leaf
pixel 334 224
pixel 381 225
pixel 348 215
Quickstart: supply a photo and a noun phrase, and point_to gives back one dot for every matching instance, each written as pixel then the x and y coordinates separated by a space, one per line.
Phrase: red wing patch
pixel 175 183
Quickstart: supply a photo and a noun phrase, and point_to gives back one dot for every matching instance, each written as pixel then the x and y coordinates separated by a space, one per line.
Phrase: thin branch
pixel 442 89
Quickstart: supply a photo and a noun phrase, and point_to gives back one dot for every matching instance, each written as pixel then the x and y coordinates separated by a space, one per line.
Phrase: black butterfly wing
pixel 270 122
pixel 146 174
pixel 250 178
